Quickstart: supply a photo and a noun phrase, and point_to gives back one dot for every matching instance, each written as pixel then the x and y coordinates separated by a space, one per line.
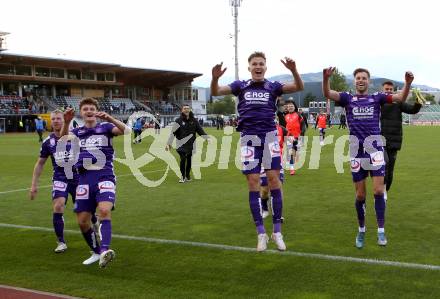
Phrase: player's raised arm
pixel 328 93
pixel 217 90
pixel 119 129
pixel 68 116
pixel 297 84
pixel 401 96
pixel 38 168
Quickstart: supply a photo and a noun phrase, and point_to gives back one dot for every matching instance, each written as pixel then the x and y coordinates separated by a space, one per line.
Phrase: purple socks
pixel 58 226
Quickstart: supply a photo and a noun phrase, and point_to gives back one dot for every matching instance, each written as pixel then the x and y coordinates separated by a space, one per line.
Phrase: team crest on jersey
pixel 106 186
pixel 52 142
pixel 82 192
pixel 267 85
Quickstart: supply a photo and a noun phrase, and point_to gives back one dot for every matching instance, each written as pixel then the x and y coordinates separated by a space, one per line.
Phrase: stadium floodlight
pixel 235 4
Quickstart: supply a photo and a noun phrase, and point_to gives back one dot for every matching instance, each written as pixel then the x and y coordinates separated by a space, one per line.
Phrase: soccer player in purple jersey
pixel 61 185
pixel 97 181
pixel 257 106
pixel 366 142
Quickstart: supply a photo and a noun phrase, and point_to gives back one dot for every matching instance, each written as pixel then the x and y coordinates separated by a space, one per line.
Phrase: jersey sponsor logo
pixel 363 112
pixel 82 192
pixel 94 141
pixel 355 164
pixel 106 186
pixel 63 155
pixel 247 153
pixel 255 97
pixel 59 186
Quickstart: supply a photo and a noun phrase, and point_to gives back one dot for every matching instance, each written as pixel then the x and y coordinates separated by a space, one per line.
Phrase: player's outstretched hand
pixel 69 114
pixel 289 63
pixel 102 115
pixel 33 193
pixel 409 77
pixel 217 71
pixel 328 72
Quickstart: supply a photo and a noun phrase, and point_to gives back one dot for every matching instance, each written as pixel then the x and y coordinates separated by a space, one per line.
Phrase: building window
pixel 57 73
pixel 88 75
pixel 23 70
pixel 42 72
pixel 73 74
pixel 6 69
pixel 109 77
pixel 100 76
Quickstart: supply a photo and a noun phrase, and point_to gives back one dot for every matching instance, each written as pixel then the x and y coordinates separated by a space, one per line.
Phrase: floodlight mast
pixel 235 4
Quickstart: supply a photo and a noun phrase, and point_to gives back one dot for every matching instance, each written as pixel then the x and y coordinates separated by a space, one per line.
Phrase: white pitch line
pixel 252 250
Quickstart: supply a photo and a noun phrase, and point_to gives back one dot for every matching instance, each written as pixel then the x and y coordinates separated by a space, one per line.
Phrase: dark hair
pixel 361 70
pixel 257 54
pixel 88 101
pixel 388 83
pixel 294 104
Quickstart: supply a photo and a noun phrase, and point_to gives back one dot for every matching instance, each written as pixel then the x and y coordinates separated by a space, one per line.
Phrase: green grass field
pixel 320 218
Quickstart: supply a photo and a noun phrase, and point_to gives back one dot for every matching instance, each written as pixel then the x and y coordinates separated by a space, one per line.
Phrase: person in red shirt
pixel 321 123
pixel 293 126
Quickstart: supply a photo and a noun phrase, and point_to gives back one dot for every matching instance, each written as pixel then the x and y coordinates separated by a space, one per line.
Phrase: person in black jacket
pixel 391 127
pixel 184 130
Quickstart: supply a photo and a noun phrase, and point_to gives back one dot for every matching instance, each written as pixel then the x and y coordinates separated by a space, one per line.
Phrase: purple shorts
pixel 62 188
pixel 94 187
pixel 365 164
pixel 260 151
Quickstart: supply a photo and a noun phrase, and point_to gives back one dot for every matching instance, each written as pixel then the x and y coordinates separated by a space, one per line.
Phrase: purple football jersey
pixel 363 113
pixel 96 147
pixel 49 149
pixel 256 105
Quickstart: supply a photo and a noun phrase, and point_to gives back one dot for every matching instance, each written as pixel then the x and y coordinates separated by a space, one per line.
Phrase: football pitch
pixel 198 239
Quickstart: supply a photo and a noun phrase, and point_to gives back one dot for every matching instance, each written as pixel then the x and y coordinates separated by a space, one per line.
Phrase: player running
pixel 61 185
pixel 321 123
pixel 257 99
pixel 294 126
pixel 366 146
pixel 264 189
pixel 97 181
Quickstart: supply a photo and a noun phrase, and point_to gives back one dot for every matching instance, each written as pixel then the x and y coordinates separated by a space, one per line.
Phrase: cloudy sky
pixel 387 37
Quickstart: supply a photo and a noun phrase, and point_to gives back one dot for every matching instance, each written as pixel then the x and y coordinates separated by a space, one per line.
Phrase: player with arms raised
pixel 366 143
pixel 257 106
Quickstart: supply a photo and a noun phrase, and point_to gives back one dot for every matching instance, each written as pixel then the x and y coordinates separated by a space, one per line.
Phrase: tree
pixel 338 82
pixel 309 98
pixel 224 106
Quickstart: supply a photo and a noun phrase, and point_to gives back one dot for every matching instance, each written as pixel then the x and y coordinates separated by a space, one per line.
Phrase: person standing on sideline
pixel 39 127
pixel 184 130
pixel 391 127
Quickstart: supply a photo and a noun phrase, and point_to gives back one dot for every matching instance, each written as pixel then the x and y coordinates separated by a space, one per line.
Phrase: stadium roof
pixel 128 75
